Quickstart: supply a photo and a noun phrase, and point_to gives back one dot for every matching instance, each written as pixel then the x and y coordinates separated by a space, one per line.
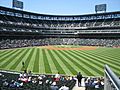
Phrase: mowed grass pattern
pixel 69 62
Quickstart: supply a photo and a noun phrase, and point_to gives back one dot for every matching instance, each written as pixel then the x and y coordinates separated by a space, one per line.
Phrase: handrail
pixel 112 76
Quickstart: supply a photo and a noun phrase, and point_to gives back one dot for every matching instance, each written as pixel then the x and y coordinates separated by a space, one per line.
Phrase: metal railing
pixel 112 82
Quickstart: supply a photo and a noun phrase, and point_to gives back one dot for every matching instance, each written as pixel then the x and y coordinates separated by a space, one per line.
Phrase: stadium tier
pixel 26 24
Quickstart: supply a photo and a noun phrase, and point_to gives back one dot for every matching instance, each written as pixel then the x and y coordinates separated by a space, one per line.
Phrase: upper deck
pixel 30 15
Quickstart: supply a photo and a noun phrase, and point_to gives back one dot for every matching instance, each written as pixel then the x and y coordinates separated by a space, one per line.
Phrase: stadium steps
pixel 79 88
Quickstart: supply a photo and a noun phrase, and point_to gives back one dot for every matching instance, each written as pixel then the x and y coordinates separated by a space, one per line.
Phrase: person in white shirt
pixel 57 75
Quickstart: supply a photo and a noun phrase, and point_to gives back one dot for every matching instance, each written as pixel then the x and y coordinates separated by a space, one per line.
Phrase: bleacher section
pixel 12 81
pixel 19 43
pixel 28 81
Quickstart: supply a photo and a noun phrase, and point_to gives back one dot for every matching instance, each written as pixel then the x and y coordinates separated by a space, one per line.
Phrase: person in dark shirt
pixel 79 77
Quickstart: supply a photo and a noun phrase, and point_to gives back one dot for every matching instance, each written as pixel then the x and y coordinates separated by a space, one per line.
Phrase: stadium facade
pixel 23 24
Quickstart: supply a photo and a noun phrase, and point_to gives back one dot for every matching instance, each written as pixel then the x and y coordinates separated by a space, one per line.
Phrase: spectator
pixel 79 77
pixel 54 86
pixel 57 77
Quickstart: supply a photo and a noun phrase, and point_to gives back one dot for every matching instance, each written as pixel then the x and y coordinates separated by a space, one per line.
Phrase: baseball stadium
pixel 45 45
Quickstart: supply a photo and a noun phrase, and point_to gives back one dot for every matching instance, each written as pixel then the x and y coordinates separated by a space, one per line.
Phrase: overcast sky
pixel 64 7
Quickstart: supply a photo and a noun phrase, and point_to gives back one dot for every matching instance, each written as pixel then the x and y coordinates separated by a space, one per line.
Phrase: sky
pixel 64 7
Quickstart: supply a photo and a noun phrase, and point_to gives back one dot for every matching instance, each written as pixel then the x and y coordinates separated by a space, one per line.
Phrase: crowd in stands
pixel 27 81
pixel 94 83
pixel 15 43
pixel 59 24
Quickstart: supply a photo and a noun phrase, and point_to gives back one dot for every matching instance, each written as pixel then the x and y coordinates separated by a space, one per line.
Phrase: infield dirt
pixel 70 48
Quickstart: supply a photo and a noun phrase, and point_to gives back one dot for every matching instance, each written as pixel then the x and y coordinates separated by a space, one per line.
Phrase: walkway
pixel 82 85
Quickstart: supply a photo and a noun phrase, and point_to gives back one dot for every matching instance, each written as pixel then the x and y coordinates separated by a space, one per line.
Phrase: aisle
pixel 82 85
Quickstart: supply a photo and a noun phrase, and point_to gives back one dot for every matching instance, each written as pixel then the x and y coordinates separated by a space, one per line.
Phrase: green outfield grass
pixel 69 62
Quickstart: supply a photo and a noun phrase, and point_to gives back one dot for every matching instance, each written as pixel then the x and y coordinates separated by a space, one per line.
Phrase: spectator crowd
pixel 94 83
pixel 18 43
pixel 28 81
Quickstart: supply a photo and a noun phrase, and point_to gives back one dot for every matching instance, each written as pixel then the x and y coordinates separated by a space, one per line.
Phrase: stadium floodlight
pixel 17 4
pixel 101 7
